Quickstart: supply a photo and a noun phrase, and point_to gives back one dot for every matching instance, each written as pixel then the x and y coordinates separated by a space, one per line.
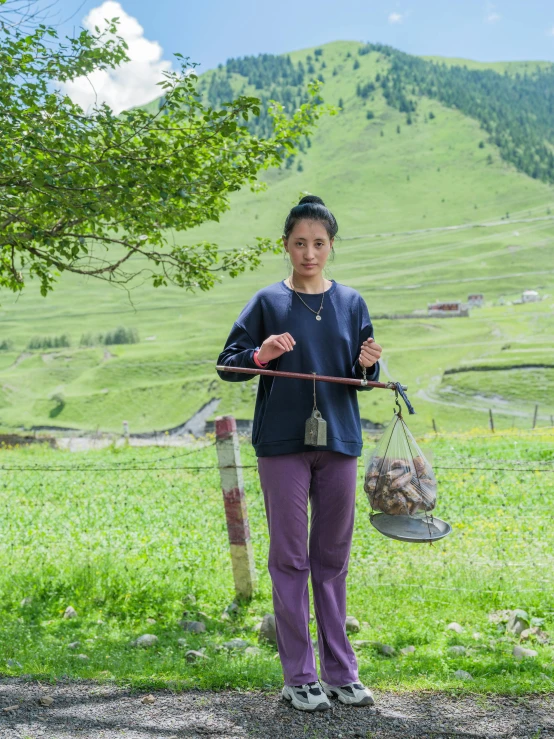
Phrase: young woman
pixel 307 323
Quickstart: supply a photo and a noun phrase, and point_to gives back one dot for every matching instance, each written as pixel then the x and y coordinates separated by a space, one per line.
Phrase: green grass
pixel 386 192
pixel 127 535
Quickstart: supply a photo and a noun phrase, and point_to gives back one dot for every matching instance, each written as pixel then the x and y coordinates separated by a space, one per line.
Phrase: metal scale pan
pixel 417 529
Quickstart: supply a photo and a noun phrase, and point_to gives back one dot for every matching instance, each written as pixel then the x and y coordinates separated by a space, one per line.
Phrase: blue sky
pixel 211 31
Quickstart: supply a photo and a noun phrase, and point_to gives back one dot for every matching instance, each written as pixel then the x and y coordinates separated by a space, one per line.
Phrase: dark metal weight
pixel 315 430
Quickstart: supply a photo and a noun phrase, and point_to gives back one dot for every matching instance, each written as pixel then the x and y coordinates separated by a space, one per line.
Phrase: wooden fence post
pixel 232 485
pixel 434 426
pixel 535 416
pixel 491 420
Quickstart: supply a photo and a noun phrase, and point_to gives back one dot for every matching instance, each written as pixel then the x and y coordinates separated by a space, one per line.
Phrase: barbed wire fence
pixel 39 501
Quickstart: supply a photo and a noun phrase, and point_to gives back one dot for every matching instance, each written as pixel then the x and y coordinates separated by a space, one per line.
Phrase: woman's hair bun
pixel 306 210
pixel 311 199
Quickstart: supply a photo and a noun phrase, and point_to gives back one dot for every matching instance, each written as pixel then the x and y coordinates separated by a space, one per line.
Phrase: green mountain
pixel 438 172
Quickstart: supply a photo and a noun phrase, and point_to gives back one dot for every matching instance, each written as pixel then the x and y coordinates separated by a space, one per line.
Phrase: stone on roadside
pixel 193 655
pixel 253 651
pixel 541 636
pixel 148 699
pixel 360 643
pixel 8 709
pixel 499 617
pixel 455 627
pixel 386 649
pixel 407 650
pixel 182 642
pixel 518 621
pixel 14 663
pixel 522 652
pixel 267 629
pixel 476 635
pixel 239 644
pixel 463 675
pixel 27 601
pixel 352 624
pixel 146 640
pixel 70 612
pixel 457 650
pixel 225 616
pixel 232 608
pixel 46 700
pixel 150 620
pixel 74 645
pixel 82 657
pixel 196 627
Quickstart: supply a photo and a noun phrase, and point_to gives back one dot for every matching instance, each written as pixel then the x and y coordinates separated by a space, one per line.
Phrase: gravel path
pixel 88 709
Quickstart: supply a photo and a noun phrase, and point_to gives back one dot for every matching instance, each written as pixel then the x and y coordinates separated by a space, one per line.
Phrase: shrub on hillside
pixel 120 335
pixel 6 345
pixel 49 342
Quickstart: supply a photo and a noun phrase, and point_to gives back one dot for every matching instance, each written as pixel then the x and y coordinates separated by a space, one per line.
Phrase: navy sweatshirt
pixel 328 347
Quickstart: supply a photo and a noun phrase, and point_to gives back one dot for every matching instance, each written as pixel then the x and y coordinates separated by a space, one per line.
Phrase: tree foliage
pixel 103 195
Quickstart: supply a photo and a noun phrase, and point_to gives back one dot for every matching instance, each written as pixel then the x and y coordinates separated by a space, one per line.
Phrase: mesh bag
pixel 398 478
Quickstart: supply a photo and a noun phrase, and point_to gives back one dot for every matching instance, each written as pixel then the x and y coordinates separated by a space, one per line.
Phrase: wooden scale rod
pixel 312 377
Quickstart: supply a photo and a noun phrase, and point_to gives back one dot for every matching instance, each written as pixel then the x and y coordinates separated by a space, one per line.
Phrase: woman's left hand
pixel 370 353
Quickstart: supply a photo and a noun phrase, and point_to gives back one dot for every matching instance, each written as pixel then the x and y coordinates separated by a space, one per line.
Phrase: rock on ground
pixel 96 711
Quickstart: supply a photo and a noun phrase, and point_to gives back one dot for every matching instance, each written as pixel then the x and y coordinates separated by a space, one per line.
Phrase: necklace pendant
pixel 318 318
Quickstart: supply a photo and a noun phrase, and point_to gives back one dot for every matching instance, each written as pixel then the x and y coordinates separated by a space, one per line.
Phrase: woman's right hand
pixel 274 346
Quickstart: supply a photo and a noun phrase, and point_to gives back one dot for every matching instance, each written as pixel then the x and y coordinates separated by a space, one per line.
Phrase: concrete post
pixel 232 485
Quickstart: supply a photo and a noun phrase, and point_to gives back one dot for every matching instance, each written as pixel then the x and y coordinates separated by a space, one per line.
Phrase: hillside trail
pixel 455 227
pixel 99 711
pixel 480 403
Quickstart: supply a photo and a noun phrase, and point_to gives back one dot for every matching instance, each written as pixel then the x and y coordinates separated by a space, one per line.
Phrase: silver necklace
pixel 317 316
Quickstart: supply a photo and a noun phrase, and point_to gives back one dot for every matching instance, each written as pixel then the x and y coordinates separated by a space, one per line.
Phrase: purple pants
pixel 328 479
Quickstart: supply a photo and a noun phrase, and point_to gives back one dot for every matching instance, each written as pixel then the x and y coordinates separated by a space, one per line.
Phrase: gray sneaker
pixel 307 697
pixel 352 694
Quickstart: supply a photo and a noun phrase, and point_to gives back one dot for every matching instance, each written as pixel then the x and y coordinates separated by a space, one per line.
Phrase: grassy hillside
pixel 395 196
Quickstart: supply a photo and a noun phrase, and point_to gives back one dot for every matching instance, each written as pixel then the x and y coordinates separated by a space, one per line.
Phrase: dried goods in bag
pixel 398 479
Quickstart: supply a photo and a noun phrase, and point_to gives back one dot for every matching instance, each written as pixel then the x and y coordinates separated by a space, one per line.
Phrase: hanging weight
pixel 316 430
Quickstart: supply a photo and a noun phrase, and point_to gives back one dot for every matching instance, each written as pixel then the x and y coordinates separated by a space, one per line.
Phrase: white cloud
pixel 550 32
pixel 396 18
pixel 132 83
pixel 492 17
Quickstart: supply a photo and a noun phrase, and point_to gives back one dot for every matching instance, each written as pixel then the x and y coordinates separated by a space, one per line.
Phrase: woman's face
pixel 309 247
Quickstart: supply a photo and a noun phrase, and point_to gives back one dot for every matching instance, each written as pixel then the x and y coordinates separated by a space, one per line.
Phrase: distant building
pixel 530 296
pixel 476 300
pixel 451 308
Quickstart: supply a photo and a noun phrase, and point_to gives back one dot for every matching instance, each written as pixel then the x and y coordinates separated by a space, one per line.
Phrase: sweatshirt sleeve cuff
pixel 257 361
